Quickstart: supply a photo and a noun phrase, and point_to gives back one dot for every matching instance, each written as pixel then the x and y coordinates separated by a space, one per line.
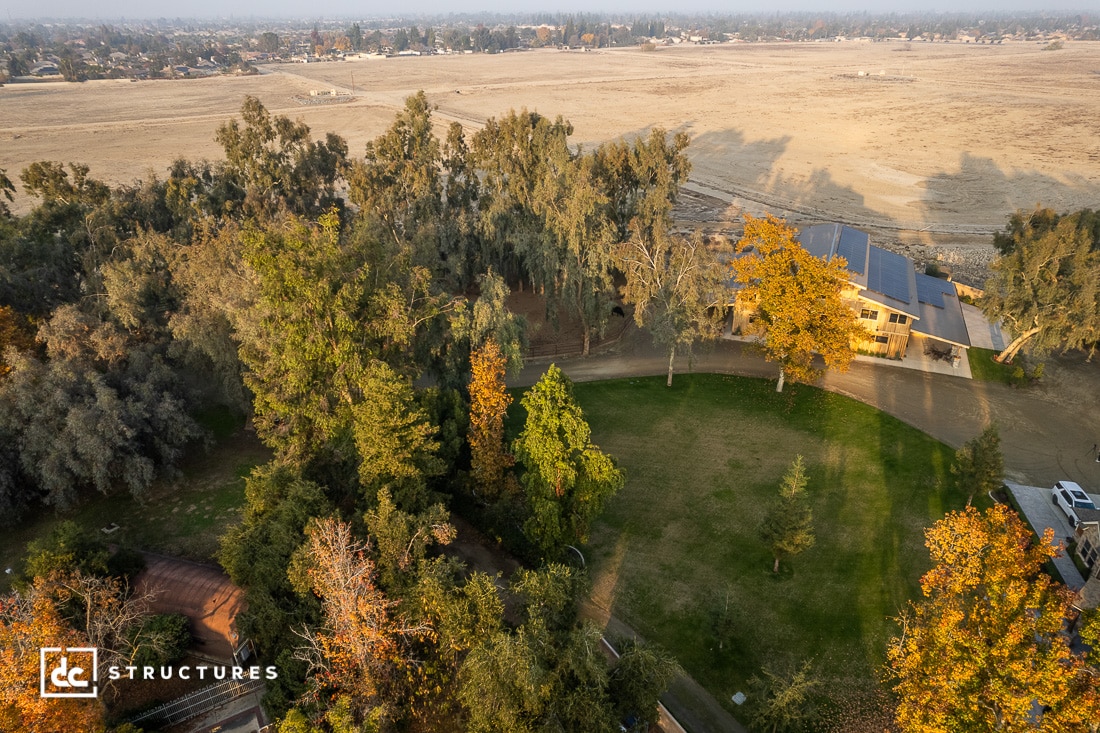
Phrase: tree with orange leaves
pixel 985 649
pixel 488 405
pixel 796 300
pixel 28 622
pixel 357 651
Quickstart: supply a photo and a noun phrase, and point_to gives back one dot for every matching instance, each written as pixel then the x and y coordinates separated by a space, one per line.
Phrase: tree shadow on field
pixel 749 172
pixel 983 195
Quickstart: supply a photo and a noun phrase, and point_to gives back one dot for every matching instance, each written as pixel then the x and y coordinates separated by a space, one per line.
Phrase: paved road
pixel 1047 431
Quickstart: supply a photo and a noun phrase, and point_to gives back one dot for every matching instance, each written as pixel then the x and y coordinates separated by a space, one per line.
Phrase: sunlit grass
pixel 983 367
pixel 703 459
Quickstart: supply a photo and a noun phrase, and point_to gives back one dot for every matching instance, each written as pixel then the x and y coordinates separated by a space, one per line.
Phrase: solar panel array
pixel 818 240
pixel 888 273
pixel 931 290
pixel 853 248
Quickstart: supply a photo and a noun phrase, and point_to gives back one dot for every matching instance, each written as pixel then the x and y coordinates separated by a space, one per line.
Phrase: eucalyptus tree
pixel 676 286
pixel 1046 285
pixel 278 165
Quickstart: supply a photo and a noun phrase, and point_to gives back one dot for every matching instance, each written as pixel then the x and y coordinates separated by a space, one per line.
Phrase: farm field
pixel 677 551
pixel 929 144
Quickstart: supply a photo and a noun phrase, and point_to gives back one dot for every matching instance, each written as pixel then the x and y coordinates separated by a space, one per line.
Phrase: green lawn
pixel 182 517
pixel 703 459
pixel 983 367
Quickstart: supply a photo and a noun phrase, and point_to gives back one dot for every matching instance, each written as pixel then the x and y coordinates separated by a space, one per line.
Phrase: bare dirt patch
pixel 204 594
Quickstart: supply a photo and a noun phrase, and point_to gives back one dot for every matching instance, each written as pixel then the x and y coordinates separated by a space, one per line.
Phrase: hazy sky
pixel 140 9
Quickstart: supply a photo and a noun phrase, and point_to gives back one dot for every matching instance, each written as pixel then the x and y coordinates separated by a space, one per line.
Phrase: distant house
pixel 897 306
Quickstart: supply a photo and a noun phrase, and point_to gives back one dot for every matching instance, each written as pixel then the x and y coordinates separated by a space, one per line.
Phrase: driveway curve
pixel 1048 431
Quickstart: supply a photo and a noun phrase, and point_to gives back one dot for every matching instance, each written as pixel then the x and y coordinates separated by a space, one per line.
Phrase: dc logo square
pixel 68 671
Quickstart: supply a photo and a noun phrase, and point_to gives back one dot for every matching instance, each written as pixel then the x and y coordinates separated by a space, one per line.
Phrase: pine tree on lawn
pixel 788 526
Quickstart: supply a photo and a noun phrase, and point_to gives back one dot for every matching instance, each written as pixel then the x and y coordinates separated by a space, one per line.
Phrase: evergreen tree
pixel 979 465
pixel 566 478
pixel 788 528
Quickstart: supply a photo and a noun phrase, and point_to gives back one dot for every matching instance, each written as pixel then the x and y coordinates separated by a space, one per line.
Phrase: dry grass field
pixel 925 144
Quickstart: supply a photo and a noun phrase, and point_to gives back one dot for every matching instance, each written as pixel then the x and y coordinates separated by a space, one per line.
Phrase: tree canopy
pixel 796 299
pixel 788 527
pixel 1046 285
pixel 984 649
pixel 366 341
pixel 979 465
pixel 566 478
pixel 675 286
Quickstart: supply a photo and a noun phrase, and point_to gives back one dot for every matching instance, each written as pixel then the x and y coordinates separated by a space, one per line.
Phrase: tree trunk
pixel 775 568
pixel 671 356
pixel 1010 351
pixel 779 388
pixel 587 342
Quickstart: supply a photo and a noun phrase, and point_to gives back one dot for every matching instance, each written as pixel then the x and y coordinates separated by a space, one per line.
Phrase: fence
pixel 196 703
pixel 574 347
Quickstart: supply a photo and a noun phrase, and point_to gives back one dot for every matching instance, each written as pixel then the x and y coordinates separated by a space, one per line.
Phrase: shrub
pixel 161 640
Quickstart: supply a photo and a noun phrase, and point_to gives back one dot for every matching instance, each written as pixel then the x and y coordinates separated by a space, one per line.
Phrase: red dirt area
pixel 202 593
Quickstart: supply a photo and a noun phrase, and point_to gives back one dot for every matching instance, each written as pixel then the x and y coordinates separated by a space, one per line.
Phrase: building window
pixel 882 339
pixel 1087 552
pixel 869 314
pixel 898 318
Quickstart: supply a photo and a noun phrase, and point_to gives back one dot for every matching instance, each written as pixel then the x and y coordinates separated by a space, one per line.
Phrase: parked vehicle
pixel 1071 497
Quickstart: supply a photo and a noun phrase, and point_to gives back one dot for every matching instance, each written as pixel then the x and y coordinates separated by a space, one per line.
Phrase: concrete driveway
pixel 1041 512
pixel 983 334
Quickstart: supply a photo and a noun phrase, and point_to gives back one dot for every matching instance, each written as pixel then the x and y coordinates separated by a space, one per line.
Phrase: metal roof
pixel 943 321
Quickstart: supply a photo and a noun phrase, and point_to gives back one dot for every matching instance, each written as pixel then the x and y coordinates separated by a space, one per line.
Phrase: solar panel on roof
pixel 853 248
pixel 931 290
pixel 818 240
pixel 888 273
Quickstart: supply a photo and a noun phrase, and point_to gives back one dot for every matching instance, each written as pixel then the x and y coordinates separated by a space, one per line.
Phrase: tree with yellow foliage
pixel 28 622
pixel 15 332
pixel 985 649
pixel 796 300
